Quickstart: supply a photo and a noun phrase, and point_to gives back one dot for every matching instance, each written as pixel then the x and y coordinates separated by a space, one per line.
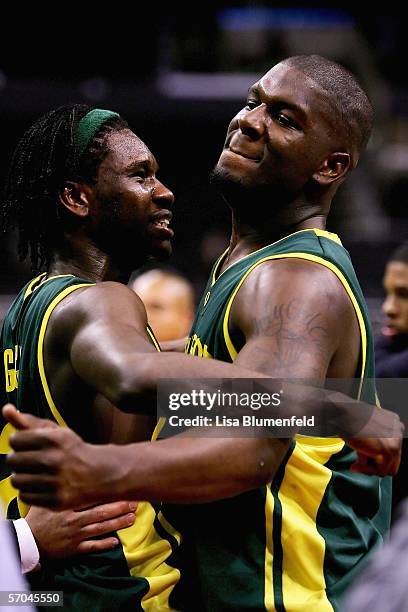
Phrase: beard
pixel 247 199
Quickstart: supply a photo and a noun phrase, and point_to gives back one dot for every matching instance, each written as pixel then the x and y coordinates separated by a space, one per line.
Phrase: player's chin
pixel 161 250
pixel 230 173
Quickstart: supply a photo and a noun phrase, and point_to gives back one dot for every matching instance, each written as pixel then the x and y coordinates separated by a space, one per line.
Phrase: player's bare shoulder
pixel 293 285
pixel 104 302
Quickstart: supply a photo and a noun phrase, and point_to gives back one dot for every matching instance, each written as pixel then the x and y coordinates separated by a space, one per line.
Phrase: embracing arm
pixel 54 467
pixel 302 325
pixel 102 332
pixel 174 346
pixel 291 333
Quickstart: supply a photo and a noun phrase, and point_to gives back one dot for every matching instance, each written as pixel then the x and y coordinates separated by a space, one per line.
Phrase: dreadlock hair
pixel 43 160
pixel 353 111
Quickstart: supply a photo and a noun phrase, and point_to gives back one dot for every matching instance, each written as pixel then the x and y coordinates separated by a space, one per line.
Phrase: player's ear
pixel 75 197
pixel 333 168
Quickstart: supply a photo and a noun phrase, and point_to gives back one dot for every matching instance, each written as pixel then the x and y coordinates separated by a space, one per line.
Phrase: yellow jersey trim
pixel 303 562
pixel 153 338
pixel 329 235
pixel 30 287
pixel 318 232
pixel 216 266
pixel 168 527
pixel 146 553
pixel 315 259
pixel 269 599
pixel 159 426
pixel 40 348
pixel 316 453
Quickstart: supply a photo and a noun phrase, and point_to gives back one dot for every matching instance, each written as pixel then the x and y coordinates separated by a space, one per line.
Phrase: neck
pixel 278 213
pixel 247 238
pixel 81 257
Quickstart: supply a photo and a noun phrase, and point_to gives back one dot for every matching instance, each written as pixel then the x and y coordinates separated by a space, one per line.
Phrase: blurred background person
pixel 383 586
pixel 391 350
pixel 186 85
pixel 169 300
pixel 392 345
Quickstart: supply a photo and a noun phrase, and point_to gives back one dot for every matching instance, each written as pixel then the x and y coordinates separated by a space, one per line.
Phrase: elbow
pixel 266 460
pixel 134 389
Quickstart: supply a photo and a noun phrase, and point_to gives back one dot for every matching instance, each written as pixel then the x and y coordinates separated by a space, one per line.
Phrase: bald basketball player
pixel 169 301
pixel 284 298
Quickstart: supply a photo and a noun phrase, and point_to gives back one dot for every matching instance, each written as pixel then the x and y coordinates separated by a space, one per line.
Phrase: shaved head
pixel 169 301
pixel 353 113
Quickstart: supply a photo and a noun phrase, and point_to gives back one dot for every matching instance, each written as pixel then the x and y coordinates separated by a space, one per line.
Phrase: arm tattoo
pixel 296 330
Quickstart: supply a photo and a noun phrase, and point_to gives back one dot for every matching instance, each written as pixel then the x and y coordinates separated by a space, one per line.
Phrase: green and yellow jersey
pixel 297 543
pixel 134 575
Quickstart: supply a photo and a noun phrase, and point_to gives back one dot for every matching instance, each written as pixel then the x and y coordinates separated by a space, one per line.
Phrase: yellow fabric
pixel 40 349
pixel 146 553
pixel 320 260
pixel 301 494
pixel 304 485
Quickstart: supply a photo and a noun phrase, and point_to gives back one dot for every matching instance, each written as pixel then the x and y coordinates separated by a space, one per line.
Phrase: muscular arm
pixel 298 322
pixel 292 314
pixel 293 331
pixel 102 329
pixel 174 346
pixel 102 334
pixel 55 468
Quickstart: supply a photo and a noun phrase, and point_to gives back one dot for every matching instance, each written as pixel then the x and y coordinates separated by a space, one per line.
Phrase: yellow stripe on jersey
pixel 40 349
pixel 35 280
pixel 4 439
pixel 153 338
pixel 314 258
pixel 168 527
pixel 269 592
pixel 329 235
pixel 304 547
pixel 318 232
pixel 160 423
pixel 146 552
pixel 7 491
pixel 31 286
pixel 214 277
pixel 159 426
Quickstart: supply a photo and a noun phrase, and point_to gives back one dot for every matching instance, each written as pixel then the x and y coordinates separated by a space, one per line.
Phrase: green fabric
pixel 89 126
pixel 94 582
pixel 222 558
pixel 21 328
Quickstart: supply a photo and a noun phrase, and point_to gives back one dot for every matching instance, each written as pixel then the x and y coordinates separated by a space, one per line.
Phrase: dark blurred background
pixel 178 76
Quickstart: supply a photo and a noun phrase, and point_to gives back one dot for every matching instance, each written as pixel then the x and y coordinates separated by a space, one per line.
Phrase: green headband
pixel 89 125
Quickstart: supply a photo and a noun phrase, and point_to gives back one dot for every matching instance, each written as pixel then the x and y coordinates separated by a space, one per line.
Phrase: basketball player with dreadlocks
pixel 84 196
pixel 305 528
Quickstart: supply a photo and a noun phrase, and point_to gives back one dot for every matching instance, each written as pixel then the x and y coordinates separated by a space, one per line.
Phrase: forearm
pixel 174 346
pixel 136 387
pixel 337 414
pixel 190 470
